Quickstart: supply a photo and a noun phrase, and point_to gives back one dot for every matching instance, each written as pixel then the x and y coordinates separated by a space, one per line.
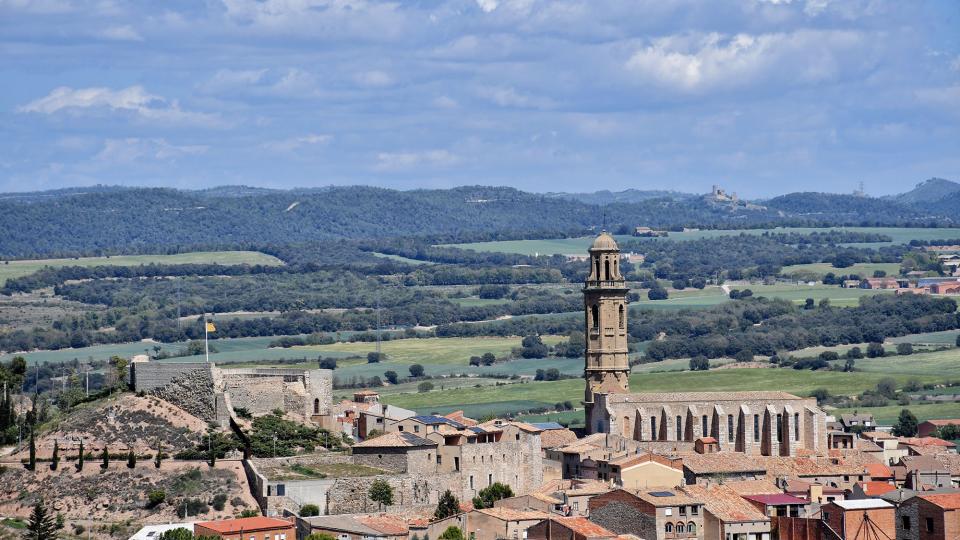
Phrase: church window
pixel 730 431
pixel 756 427
pixel 796 426
pixel 595 313
pixel 668 527
pixel 681 527
pixel 622 319
pixel 653 428
pixel 779 428
pixel 691 527
pixel 606 270
pixel 703 426
pixel 597 266
pixel 679 428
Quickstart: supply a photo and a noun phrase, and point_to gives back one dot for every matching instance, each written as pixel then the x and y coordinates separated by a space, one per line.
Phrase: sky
pixel 762 97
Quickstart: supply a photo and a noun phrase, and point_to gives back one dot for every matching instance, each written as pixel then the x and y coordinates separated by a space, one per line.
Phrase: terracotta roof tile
pixel 726 504
pixel 511 514
pixel 582 525
pixel 875 489
pixel 878 470
pixel 250 524
pixel 552 438
pixel 395 440
pixel 947 501
pixel 385 523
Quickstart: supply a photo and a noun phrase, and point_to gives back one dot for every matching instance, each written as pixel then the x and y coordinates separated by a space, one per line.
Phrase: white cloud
pixel 374 78
pixel 445 102
pixel 487 5
pixel 295 143
pixel 133 149
pixel 393 161
pixel 121 33
pixel 134 99
pixel 228 79
pixel 41 7
pixel 704 62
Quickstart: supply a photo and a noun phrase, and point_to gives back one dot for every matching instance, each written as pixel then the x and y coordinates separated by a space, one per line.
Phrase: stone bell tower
pixel 607 368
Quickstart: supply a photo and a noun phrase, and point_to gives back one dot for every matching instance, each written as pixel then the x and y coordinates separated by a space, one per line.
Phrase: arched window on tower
pixel 606 270
pixel 595 315
pixel 616 267
pixel 596 265
pixel 622 318
pixel 316 406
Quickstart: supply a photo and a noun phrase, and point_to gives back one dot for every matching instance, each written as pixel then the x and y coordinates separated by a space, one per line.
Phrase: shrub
pixel 904 349
pixel 875 350
pixel 425 386
pixel 416 370
pixel 447 506
pixel 309 510
pixel 699 363
pixel 381 493
pixel 155 497
pixel 744 355
pixel 219 502
pixel 855 353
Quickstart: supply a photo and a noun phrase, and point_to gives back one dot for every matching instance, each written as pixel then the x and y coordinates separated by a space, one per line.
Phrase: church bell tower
pixel 607 368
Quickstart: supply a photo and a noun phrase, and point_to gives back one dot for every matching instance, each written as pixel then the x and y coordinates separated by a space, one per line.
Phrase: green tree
pixel 887 387
pixel 41 525
pixel 425 386
pixel 906 425
pixel 32 465
pixel 855 353
pixel 699 363
pixel 319 536
pixel 309 510
pixel 157 459
pixel 381 493
pixel 904 349
pixel 55 458
pixel 391 376
pixel 849 364
pixel 131 459
pixel 179 533
pixel 106 459
pixel 452 533
pixel 875 350
pixel 447 506
pixel 416 370
pixel 491 494
pixel 155 497
pixel 119 365
pixel 375 357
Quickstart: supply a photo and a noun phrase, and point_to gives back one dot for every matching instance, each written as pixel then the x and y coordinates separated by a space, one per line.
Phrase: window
pixel 681 527
pixel 730 431
pixel 779 428
pixel 439 459
pixel 683 510
pixel 679 429
pixel 796 426
pixel 653 428
pixel 826 516
pixel 668 527
pixel 490 479
pixel 456 463
pixel 929 524
pixel 595 315
pixel 400 427
pixel 622 322
pixel 694 510
pixel 316 406
pixel 756 427
pixel 906 522
pixel 606 270
pixel 596 264
pixel 416 429
pixel 703 426
pixel 691 527
pixel 471 481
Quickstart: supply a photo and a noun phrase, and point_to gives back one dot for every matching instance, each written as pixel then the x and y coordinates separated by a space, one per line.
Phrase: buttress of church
pixel 607 368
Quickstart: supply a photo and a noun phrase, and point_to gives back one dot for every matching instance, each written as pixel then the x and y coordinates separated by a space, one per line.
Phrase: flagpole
pixel 206 338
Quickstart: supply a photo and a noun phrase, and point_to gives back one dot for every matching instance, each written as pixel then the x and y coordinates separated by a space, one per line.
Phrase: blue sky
pixel 761 96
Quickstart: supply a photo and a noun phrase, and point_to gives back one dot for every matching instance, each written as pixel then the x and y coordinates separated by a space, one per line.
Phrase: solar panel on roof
pixel 661 493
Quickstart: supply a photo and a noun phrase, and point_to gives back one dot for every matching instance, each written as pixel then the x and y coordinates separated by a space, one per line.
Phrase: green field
pixel 923 411
pixel 14 269
pixel 399 258
pixel 578 246
pixel 432 351
pixel 821 269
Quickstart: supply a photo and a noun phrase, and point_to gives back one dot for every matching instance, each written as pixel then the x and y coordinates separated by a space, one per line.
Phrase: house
pixel 257 528
pixel 882 283
pixel 864 519
pixel 640 471
pixel 952 287
pixel 879 472
pixel 153 532
pixel 553 435
pixel 654 514
pixel 857 421
pixel 598 446
pixel 813 492
pixel 921 473
pixel 778 504
pixel 423 424
pixel 699 468
pixel 919 446
pixel 929 428
pixel 929 517
pixel 542 502
pixel 573 494
pixel 500 522
pixel 648 232
pixel 356 526
pixel 728 515
pixel 377 417
pixel 851 284
pixel 891 451
pixel 841 440
pixel 568 528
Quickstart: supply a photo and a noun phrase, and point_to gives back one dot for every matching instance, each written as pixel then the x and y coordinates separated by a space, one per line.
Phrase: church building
pixel 768 423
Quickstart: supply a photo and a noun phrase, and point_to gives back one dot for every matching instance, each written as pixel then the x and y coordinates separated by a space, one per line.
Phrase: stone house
pixel 864 519
pixel 656 514
pixel 500 522
pixel 922 473
pixel 574 494
pixel 929 517
pixel 255 528
pixel 640 471
pixel 599 446
pixel 355 527
pixel 727 515
pixel 857 420
pixel 699 468
pixel 779 504
pixel 890 445
pixel 377 417
pixel 568 528
pixel 870 489
pixel 541 502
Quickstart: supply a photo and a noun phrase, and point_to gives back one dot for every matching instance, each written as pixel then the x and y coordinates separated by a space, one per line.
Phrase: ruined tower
pixel 605 315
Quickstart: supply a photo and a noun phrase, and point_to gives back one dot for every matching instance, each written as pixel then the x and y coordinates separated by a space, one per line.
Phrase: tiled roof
pixel 584 526
pixel 947 501
pixel 753 487
pixel 665 497
pixel 510 514
pixel 725 504
pixel 433 420
pixel 878 470
pixel 457 416
pixel 722 462
pixel 395 440
pixel 661 397
pixel 926 441
pixel 949 461
pixel 944 422
pixel 250 524
pixel 875 489
pixel 385 523
pixel 556 437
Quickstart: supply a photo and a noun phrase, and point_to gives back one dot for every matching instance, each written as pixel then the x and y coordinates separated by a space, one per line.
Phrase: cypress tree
pixel 33 452
pixel 106 459
pixel 80 457
pixel 131 459
pixel 55 459
pixel 159 457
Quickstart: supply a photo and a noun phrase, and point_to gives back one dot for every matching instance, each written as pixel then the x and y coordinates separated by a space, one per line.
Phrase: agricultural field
pixel 578 246
pixel 818 270
pixel 798 294
pixel 14 269
pixel 399 258
pixel 923 411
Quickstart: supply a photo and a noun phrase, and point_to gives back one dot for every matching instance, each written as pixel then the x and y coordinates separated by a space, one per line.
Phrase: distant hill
pixel 104 220
pixel 928 191
pixel 625 196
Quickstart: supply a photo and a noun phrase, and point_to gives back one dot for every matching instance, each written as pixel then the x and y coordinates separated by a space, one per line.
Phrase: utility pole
pixel 87 373
pixel 178 305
